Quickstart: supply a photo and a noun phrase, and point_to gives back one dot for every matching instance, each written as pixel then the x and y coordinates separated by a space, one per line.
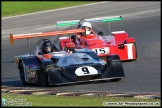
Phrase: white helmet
pixel 87 24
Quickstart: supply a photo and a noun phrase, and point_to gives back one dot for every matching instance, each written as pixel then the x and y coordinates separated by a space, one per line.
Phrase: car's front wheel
pixel 44 77
pixel 135 48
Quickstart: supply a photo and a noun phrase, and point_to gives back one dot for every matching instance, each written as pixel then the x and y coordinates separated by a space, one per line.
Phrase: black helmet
pixel 47 47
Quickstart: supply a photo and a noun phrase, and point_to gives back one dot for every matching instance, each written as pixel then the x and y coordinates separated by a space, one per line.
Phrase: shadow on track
pixel 18 83
pixel 9 62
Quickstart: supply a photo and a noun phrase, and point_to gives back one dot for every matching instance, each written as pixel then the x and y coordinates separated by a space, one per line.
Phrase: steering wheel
pixel 42 40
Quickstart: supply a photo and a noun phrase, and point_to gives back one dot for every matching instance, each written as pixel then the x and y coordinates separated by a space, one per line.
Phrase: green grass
pixel 22 7
pixel 53 100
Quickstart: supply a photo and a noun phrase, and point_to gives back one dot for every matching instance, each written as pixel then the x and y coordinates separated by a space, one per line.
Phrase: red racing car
pixel 117 42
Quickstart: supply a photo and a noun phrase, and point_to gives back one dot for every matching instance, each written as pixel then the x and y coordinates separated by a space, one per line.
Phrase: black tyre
pixel 110 59
pixel 22 75
pixel 116 67
pixel 116 79
pixel 39 77
pixel 44 77
pixel 135 47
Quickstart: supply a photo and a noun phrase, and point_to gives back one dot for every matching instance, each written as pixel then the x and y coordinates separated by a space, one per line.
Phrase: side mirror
pixel 121 46
pixel 100 33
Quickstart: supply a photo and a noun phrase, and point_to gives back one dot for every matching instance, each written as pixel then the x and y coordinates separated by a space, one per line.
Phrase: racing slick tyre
pixel 112 58
pixel 22 75
pixel 44 77
pixel 115 63
pixel 135 48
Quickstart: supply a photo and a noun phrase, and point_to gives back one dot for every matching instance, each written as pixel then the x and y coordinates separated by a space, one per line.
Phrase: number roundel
pixel 85 70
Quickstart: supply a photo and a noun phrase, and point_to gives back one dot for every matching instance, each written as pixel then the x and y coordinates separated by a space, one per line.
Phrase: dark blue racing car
pixel 51 66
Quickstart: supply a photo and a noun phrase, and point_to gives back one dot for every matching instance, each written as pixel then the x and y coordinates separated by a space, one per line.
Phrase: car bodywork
pixel 117 42
pixel 64 67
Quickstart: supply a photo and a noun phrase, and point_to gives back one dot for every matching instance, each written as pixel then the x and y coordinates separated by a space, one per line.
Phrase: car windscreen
pixel 76 59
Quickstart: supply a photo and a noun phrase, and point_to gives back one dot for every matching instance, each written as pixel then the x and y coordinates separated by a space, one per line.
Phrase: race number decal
pixel 104 50
pixel 85 70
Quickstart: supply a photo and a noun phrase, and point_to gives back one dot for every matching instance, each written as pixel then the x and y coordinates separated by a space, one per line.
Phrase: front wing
pixel 73 73
pixel 85 73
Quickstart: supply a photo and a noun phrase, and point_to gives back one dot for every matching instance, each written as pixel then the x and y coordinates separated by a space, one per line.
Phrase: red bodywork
pixel 118 43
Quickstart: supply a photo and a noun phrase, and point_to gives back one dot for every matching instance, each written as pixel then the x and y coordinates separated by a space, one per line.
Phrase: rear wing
pixel 76 22
pixel 44 34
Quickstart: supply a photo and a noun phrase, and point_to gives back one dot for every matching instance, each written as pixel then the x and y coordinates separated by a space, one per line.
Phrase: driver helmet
pixel 87 26
pixel 47 47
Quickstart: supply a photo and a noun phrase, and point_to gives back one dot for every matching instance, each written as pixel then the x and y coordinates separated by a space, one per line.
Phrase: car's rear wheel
pixel 135 48
pixel 22 74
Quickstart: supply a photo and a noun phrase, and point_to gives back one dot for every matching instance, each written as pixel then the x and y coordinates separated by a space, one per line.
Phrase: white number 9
pixel 85 70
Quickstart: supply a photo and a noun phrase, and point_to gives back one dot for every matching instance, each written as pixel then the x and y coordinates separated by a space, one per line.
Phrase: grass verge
pixel 53 100
pixel 10 8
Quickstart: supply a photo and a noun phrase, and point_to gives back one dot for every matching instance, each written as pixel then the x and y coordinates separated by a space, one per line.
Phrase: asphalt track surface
pixel 141 20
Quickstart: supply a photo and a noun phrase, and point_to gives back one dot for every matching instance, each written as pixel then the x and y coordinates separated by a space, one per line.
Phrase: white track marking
pixel 123 15
pixel 131 16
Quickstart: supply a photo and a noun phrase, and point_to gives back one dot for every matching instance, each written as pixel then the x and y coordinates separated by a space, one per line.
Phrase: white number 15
pixel 101 50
